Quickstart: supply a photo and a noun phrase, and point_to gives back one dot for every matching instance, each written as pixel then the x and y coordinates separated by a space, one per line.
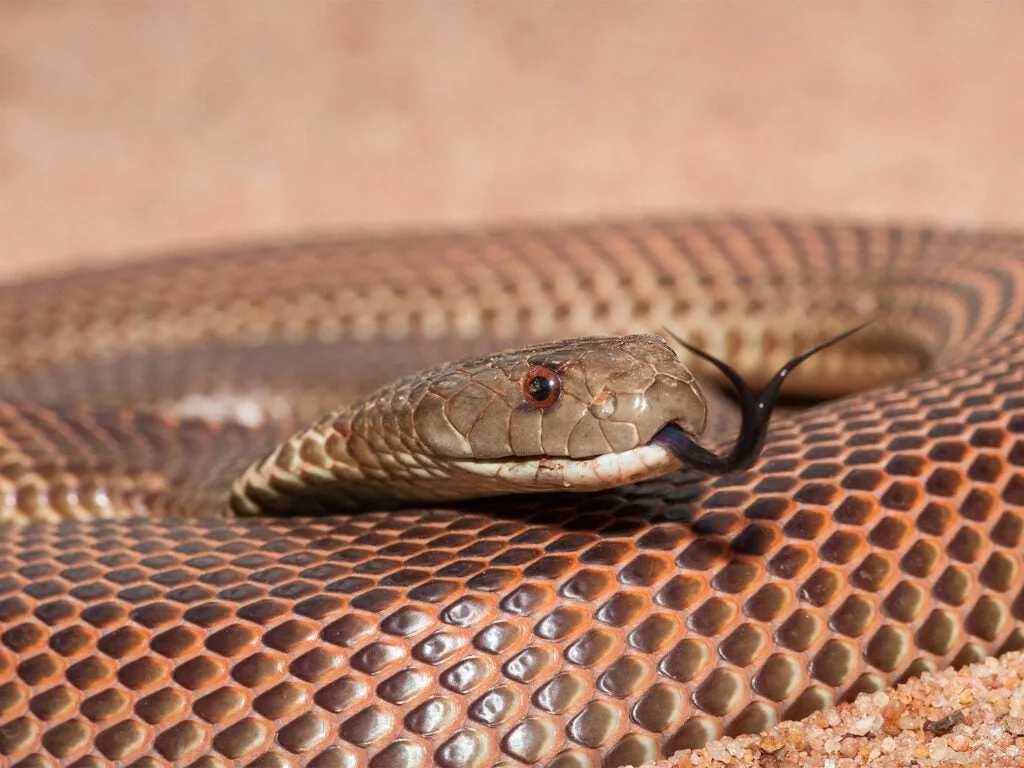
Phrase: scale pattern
pixel 878 536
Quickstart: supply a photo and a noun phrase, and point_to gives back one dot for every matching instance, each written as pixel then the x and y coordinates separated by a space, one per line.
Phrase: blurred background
pixel 129 129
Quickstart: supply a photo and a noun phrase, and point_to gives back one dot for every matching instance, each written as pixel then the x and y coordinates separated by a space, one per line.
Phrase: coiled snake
pixel 877 536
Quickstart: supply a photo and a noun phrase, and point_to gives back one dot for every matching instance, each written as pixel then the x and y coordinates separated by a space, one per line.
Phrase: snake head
pixel 578 415
pixel 574 400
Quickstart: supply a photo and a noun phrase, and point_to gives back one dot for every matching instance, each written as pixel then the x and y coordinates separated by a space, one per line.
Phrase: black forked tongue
pixel 756 410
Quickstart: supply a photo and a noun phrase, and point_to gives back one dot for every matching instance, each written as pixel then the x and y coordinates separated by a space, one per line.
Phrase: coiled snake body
pixel 877 536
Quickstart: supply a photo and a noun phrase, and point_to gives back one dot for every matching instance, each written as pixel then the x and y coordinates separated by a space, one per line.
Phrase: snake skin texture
pixel 878 536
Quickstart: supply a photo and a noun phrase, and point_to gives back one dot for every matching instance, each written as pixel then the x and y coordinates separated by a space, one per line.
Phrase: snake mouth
pixel 603 471
pixel 672 435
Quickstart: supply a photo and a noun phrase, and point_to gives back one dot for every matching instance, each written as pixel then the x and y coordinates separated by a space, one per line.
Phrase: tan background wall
pixel 129 127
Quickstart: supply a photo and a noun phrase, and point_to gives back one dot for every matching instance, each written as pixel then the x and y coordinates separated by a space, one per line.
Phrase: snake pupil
pixel 542 387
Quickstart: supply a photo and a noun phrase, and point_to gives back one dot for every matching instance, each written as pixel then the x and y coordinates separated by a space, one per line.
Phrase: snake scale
pixel 876 537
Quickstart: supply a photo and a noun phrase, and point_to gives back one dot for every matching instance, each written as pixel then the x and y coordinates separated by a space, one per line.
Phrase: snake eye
pixel 541 387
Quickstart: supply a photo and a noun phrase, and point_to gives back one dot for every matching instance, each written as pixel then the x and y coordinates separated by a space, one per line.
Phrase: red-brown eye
pixel 541 387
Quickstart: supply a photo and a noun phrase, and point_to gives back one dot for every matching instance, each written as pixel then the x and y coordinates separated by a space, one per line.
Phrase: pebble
pixel 886 729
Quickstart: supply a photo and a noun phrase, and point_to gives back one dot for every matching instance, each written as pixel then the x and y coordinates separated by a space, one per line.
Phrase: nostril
pixel 604 405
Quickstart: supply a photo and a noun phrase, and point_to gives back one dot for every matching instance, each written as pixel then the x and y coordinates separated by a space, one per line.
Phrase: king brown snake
pixel 877 536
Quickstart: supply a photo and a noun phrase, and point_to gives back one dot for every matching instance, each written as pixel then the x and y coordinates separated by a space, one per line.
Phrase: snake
pixel 476 497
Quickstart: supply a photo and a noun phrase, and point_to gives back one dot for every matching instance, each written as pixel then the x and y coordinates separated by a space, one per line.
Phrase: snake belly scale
pixel 878 536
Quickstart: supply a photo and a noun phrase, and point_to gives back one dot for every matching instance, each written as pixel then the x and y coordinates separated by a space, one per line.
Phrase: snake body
pixel 878 536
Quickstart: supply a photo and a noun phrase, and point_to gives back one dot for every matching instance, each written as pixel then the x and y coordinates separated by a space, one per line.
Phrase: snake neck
pixel 332 463
pixel 347 462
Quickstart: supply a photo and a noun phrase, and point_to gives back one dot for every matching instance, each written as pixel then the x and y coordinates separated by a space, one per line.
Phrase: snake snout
pixel 624 390
pixel 672 400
